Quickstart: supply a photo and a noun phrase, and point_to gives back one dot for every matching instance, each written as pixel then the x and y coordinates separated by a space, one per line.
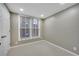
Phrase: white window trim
pixel 29 38
pixel 19 39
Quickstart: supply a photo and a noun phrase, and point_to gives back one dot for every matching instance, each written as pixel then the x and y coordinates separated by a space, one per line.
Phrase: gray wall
pixel 63 29
pixel 14 28
pixel 14 31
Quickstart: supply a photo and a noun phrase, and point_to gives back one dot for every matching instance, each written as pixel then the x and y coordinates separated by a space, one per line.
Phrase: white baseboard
pixel 62 48
pixel 50 44
pixel 25 44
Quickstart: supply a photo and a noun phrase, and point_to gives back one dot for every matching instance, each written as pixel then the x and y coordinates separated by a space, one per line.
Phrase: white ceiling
pixel 36 9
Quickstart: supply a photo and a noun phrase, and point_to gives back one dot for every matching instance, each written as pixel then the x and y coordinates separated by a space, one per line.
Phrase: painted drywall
pixel 14 28
pixel 14 31
pixel 63 29
pixel 5 29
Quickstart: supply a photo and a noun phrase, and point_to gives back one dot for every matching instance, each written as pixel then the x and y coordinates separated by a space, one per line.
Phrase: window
pixel 29 27
pixel 24 27
pixel 35 28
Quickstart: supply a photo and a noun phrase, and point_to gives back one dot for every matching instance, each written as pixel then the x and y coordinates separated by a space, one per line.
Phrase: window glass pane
pixel 25 27
pixel 25 22
pixel 35 23
pixel 25 33
pixel 22 22
pixel 35 27
pixel 35 32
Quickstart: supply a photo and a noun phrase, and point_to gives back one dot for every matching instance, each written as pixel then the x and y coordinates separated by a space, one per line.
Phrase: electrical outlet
pixel 74 48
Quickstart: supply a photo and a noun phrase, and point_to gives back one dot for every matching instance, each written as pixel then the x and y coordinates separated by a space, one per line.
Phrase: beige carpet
pixel 37 48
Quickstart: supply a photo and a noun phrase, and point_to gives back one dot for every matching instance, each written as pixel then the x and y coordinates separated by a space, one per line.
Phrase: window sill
pixel 22 39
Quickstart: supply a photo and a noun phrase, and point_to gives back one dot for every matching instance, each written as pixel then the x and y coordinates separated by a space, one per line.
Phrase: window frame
pixel 30 37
